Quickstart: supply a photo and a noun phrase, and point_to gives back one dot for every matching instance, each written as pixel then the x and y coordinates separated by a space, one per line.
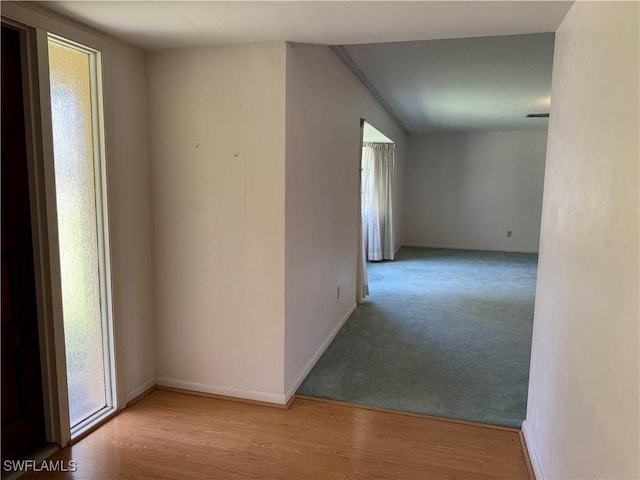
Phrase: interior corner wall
pixel 583 406
pixel 325 103
pixel 130 204
pixel 468 189
pixel 217 146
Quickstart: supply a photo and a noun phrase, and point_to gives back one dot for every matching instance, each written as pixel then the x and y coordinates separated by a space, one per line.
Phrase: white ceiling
pixel 480 83
pixel 487 83
pixel 170 24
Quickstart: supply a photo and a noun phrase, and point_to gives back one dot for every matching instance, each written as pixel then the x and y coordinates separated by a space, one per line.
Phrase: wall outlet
pixel 508 233
pixel 338 293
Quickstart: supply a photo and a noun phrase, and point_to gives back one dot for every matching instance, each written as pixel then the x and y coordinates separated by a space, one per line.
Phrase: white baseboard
pixel 269 397
pixel 141 389
pixel 474 249
pixel 533 455
pixel 318 353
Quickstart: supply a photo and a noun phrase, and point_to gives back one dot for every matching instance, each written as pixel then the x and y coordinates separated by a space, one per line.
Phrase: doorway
pixel 443 332
pixel 23 423
pixel 376 236
pixel 57 317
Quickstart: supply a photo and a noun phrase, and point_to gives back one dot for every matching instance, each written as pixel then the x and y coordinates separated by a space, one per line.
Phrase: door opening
pixel 23 422
pixel 376 236
pixel 54 185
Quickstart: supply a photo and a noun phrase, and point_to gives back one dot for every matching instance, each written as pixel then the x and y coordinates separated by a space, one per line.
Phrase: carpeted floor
pixel 443 332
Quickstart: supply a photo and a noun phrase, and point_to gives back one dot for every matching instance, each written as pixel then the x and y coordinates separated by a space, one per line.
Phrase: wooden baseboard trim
pixel 137 398
pixel 226 397
pixel 410 414
pixel 527 459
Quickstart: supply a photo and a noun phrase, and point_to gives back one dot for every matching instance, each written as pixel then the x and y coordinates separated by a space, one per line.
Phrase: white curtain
pixel 378 185
pixel 362 284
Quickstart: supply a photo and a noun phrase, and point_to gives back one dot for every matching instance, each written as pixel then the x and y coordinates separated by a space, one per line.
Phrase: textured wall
pixel 582 414
pixel 468 189
pixel 217 120
pixel 325 103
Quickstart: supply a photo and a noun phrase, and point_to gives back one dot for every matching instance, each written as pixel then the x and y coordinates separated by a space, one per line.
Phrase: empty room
pixel 185 258
pixel 446 330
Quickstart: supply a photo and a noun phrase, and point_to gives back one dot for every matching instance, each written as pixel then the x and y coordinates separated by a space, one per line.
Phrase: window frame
pixel 99 173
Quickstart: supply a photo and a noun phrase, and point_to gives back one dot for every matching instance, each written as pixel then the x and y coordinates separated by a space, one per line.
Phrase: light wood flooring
pixel 169 435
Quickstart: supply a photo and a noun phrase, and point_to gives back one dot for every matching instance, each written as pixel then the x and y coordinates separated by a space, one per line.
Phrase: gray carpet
pixel 443 332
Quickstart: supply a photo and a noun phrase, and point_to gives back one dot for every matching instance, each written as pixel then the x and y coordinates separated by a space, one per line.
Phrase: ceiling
pixel 475 83
pixel 487 83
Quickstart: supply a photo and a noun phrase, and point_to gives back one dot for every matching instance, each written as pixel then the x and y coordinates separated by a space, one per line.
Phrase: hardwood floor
pixel 169 435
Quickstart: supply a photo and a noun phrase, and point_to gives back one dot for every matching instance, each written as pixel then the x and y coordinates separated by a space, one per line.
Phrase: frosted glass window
pixel 75 175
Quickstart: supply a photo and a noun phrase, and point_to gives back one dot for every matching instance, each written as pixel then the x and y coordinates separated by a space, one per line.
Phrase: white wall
pixel 325 103
pixel 583 408
pixel 130 208
pixel 467 189
pixel 217 120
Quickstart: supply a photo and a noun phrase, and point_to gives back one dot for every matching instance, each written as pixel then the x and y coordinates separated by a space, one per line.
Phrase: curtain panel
pixel 378 192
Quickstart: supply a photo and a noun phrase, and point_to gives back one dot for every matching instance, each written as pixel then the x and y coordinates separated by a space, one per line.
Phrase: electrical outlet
pixel 508 233
pixel 338 293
